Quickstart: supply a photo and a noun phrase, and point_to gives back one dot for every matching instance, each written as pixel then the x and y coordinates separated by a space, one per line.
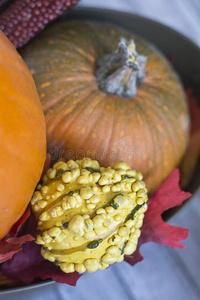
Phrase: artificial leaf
pixel 16 227
pixel 29 265
pixel 11 244
pixel 154 229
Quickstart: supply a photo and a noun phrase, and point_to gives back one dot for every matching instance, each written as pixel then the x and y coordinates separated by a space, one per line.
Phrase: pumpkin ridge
pixel 92 31
pixel 78 78
pixel 171 108
pixel 77 114
pixel 69 42
pixel 62 52
pixel 159 114
pixel 54 101
pixel 58 120
pixel 143 113
pixel 72 120
pixel 112 124
pixel 93 92
pixel 86 136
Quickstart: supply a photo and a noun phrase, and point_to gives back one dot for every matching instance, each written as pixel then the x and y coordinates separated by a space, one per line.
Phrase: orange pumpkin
pixel 22 136
pixel 148 130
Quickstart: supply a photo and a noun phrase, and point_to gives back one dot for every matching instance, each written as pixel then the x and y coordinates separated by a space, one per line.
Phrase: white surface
pixel 181 15
pixel 166 273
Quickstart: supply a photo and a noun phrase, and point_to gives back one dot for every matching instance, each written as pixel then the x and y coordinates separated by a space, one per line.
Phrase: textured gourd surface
pixel 22 136
pixel 89 216
pixel 149 131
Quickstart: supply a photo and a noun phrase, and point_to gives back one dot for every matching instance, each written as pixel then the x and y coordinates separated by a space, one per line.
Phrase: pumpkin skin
pixel 88 216
pixel 22 136
pixel 149 131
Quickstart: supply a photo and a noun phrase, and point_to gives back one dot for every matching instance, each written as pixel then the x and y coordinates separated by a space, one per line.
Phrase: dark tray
pixel 186 60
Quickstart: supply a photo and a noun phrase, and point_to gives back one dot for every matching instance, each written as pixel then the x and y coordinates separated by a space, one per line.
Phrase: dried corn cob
pixel 23 19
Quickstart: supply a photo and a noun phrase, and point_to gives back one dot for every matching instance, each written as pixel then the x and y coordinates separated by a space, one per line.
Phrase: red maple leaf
pixel 11 244
pixel 28 264
pixel 154 229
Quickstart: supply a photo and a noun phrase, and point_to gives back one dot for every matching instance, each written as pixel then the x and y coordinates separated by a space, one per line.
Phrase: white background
pixel 165 273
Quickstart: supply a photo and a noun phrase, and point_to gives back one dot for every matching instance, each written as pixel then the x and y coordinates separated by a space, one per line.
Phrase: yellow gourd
pixel 89 216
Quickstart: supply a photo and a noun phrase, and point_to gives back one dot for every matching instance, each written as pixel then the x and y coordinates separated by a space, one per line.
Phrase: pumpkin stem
pixel 119 73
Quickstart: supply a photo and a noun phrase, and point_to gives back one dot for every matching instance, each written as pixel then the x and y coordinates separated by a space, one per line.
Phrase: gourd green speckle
pixel 89 216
